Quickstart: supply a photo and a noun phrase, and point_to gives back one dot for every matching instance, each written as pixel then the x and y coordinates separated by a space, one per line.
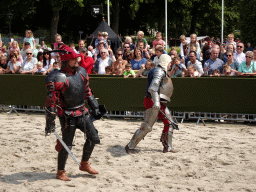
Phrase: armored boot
pixel 85 166
pixel 166 139
pixel 61 175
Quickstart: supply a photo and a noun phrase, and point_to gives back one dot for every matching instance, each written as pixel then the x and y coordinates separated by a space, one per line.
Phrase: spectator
pixel 227 71
pixel 178 69
pixel 128 40
pixel 159 51
pixel 23 51
pixel 15 46
pixel 138 59
pixel 102 62
pixel 30 39
pixel 81 44
pixel 127 48
pixel 47 62
pixel 39 49
pixel 192 72
pixel 72 46
pixel 3 64
pixel 182 42
pixel 193 42
pixel 105 36
pixel 152 54
pixel 86 61
pixel 254 55
pixel 145 54
pixel 239 55
pixel 17 52
pixel 40 57
pixel 173 53
pixel 158 40
pixel 140 38
pixel 220 55
pixel 40 68
pixel 129 56
pixel 55 66
pixel 128 71
pixel 44 46
pixel 99 39
pixel 213 63
pixel 119 63
pixel 13 65
pixel 206 53
pixel 247 67
pixel 108 70
pixel 231 41
pixel 249 48
pixel 58 40
pixel 91 51
pixel 29 64
pixel 231 62
pixel 185 57
pixel 195 62
pixel 143 72
pixel 120 72
pixel 215 73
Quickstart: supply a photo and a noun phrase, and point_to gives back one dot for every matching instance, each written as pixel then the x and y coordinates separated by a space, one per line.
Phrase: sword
pixel 66 147
pixel 175 126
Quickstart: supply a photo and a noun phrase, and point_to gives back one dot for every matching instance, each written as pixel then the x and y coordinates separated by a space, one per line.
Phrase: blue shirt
pixel 136 65
pixel 217 64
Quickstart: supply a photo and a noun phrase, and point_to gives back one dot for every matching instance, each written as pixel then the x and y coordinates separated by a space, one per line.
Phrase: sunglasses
pixel 239 46
pixel 29 53
pixel 103 52
pixel 126 47
pixel 119 54
pixel 186 48
pixel 248 57
pixel 229 55
pixel 46 53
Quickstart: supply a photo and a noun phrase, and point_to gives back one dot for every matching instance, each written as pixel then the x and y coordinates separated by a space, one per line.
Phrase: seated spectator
pixel 108 70
pixel 213 63
pixel 3 64
pixel 102 62
pixel 47 62
pixel 13 65
pixel 247 67
pixel 216 73
pixel 128 40
pixel 29 64
pixel 86 61
pixel 40 68
pixel 192 72
pixel 138 59
pixel 159 51
pixel 195 62
pixel 119 63
pixel 227 71
pixel 231 62
pixel 128 71
pixel 178 69
pixel 140 46
pixel 239 56
pixel 143 72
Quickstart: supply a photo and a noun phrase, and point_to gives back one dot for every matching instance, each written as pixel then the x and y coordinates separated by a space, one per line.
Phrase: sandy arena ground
pixel 215 157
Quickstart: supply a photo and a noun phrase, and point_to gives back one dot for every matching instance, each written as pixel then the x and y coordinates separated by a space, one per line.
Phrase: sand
pixel 215 157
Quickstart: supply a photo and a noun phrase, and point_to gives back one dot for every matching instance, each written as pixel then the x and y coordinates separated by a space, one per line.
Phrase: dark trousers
pixel 68 128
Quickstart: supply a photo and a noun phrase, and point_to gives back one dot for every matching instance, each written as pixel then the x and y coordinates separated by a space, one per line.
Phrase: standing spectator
pixel 193 42
pixel 231 62
pixel 3 64
pixel 138 59
pixel 239 55
pixel 44 46
pixel 182 42
pixel 13 65
pixel 213 63
pixel 119 63
pixel 140 38
pixel 247 67
pixel 128 71
pixel 249 48
pixel 185 55
pixel 47 62
pixel 195 62
pixel 101 63
pixel 86 61
pixel 29 38
pixel 158 40
pixel 29 64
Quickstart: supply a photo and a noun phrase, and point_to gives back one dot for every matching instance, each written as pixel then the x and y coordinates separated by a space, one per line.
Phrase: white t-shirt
pixel 47 66
pixel 29 65
pixel 239 57
pixel 102 65
pixel 18 64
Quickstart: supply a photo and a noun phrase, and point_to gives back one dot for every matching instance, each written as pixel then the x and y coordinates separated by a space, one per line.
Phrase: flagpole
pixel 166 25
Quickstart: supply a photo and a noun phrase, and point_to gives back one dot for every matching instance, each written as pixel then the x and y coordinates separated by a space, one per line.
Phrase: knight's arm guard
pixel 154 87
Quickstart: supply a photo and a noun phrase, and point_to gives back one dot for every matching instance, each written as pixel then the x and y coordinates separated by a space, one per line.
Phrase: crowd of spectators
pixel 134 59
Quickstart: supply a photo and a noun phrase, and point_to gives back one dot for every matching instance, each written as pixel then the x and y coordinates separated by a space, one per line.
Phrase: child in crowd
pixel 192 72
pixel 105 36
pixel 143 72
pixel 56 66
pixel 29 38
pixel 58 40
pixel 193 42
pixel 140 37
pixel 44 46
pixel 216 73
pixel 15 46
pixel 158 40
pixel 108 70
pixel 231 41
pixel 182 42
pixel 178 69
pixel 129 41
pixel 99 39
pixel 119 72
pixel 40 68
pixel 72 46
pixel 128 71
pixel 227 71
pixel 3 64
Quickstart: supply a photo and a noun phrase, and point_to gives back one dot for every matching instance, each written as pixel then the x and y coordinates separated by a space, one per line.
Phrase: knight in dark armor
pixel 158 93
pixel 67 91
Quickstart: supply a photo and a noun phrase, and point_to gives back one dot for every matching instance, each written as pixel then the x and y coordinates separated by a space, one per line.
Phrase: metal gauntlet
pixel 155 99
pixel 94 105
pixel 50 120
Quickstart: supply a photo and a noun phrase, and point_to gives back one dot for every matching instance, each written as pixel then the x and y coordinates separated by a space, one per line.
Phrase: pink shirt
pixel 155 42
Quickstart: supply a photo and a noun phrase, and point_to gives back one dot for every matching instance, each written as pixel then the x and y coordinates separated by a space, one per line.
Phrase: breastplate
pixel 166 89
pixel 74 95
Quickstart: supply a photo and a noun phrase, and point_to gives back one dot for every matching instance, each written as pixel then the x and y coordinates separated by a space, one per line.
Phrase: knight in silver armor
pixel 158 93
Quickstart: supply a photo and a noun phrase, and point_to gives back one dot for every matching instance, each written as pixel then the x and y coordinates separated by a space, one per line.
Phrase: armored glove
pixel 156 100
pixel 50 122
